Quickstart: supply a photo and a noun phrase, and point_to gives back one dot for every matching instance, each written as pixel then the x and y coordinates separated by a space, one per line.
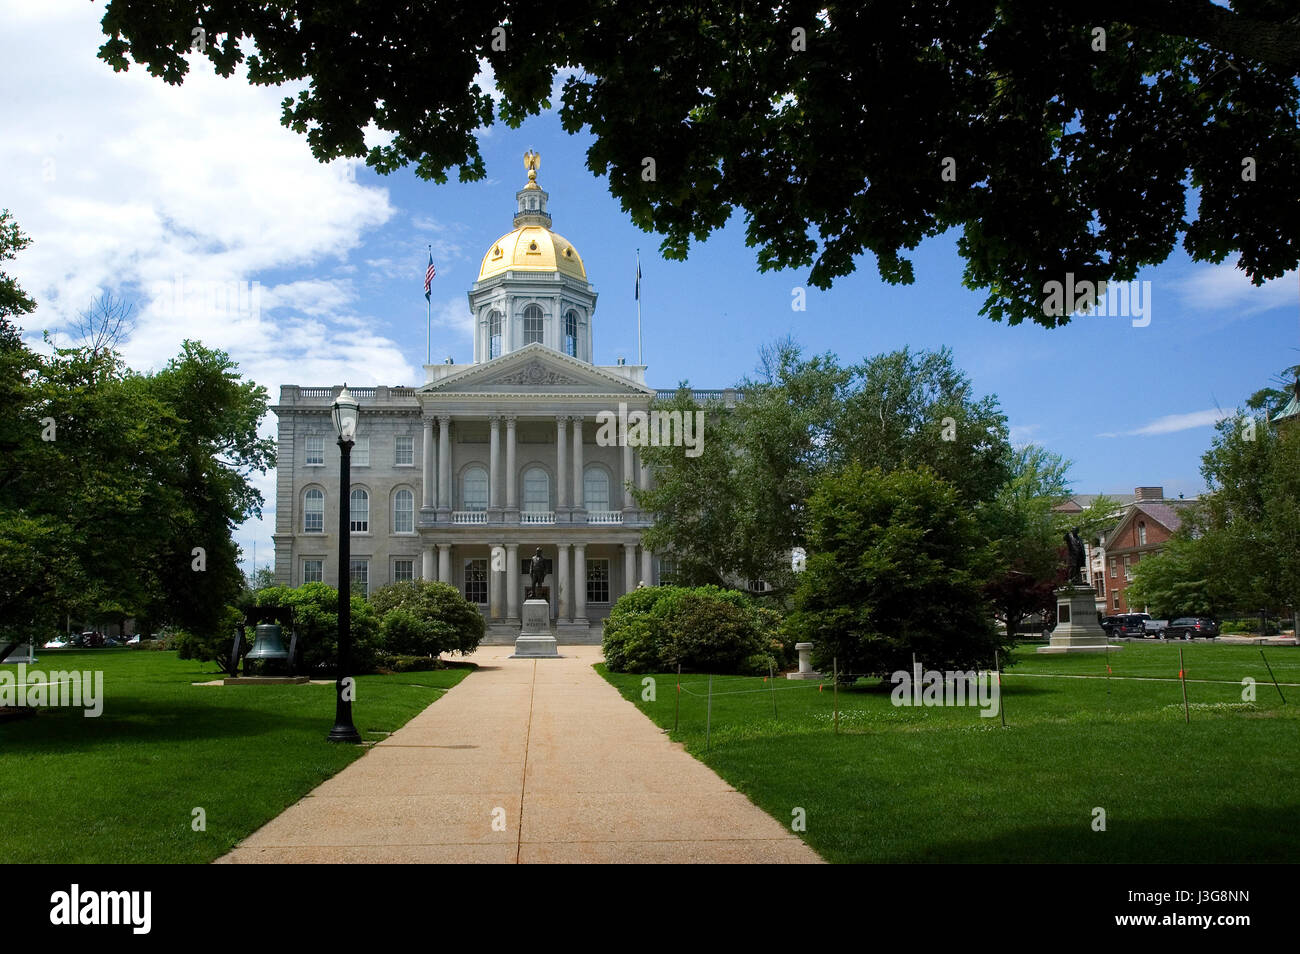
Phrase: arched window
pixel 494 334
pixel 595 488
pixel 533 324
pixel 474 489
pixel 404 512
pixel 571 334
pixel 359 513
pixel 313 511
pixel 537 490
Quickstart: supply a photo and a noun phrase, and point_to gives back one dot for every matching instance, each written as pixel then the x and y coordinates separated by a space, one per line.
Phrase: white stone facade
pixel 497 457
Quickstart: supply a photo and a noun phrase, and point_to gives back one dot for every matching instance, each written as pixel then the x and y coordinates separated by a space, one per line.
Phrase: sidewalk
pixel 570 770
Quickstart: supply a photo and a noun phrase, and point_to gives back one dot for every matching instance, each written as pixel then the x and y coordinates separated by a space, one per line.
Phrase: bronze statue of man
pixel 536 573
pixel 1075 557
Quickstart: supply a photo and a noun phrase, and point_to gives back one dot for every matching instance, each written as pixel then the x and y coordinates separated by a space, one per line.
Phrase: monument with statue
pixel 1077 629
pixel 535 640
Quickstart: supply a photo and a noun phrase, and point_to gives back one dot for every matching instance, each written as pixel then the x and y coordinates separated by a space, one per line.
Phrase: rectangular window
pixel 313 571
pixel 359 574
pixel 404 452
pixel 315 449
pixel 476 581
pixel 1128 570
pixel 1113 573
pixel 1114 604
pixel 1100 582
pixel 361 452
pixel 403 571
pixel 597 581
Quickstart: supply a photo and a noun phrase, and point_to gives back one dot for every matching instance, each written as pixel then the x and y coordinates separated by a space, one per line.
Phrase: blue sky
pixel 124 183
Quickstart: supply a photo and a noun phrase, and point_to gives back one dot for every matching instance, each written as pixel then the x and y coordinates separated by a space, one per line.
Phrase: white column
pixel 629 567
pixel 494 464
pixel 512 493
pixel 579 582
pixel 444 462
pixel 444 562
pixel 643 472
pixel 561 462
pixel 512 580
pixel 646 567
pixel 628 502
pixel 496 583
pixel 579 493
pixel 562 587
pixel 426 564
pixel 427 473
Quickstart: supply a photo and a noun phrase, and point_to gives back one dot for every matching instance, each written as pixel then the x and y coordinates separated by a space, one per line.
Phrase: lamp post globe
pixel 344 414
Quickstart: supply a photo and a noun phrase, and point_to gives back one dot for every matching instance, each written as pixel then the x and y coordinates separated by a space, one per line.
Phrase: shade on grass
pixel 945 784
pixel 122 787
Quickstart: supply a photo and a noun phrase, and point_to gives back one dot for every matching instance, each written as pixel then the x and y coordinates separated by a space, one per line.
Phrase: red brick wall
pixel 1126 544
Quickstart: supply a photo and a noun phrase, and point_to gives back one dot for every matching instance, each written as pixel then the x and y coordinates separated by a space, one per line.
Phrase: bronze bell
pixel 268 647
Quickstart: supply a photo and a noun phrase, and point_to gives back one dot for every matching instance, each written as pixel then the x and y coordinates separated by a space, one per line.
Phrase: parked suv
pixel 1130 624
pixel 1189 627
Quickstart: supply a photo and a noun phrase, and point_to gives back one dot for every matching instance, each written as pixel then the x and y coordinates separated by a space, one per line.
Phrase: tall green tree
pixel 739 508
pixel 893 569
pixel 119 492
pixel 1024 534
pixel 1058 137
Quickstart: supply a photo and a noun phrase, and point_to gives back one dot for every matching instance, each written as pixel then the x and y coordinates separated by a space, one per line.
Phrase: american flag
pixel 428 277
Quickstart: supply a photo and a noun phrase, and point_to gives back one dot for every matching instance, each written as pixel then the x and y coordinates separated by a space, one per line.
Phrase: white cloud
pixel 1172 423
pixel 1226 288
pixel 126 184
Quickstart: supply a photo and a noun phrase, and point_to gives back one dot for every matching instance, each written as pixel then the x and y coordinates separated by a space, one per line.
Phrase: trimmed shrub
pixel 410 663
pixel 424 618
pixel 704 629
pixel 316 619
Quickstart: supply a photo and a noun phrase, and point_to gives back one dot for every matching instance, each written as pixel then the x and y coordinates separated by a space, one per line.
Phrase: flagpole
pixel 638 307
pixel 428 323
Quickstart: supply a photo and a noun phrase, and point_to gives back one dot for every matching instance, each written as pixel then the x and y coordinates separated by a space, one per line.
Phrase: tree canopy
pixel 1057 137
pixel 120 491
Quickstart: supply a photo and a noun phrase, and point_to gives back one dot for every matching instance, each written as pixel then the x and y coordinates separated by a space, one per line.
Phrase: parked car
pixel 1131 624
pixel 90 640
pixel 1156 627
pixel 1191 627
pixel 57 643
pixel 1110 624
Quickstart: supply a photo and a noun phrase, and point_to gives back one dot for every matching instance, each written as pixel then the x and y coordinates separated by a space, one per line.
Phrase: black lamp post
pixel 345 426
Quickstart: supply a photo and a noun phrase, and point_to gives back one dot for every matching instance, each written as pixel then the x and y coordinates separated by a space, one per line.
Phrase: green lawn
pixel 945 784
pixel 122 787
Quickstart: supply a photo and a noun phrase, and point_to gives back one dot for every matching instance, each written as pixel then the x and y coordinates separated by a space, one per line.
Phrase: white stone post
pixel 561 462
pixel 444 462
pixel 426 564
pixel 512 580
pixel 629 567
pixel 444 562
pixel 562 584
pixel 426 473
pixel 494 464
pixel 579 491
pixel 646 567
pixel 512 493
pixel 579 583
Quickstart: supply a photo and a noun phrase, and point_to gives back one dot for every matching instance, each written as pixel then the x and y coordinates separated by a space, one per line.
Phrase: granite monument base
pixel 535 639
pixel 1077 629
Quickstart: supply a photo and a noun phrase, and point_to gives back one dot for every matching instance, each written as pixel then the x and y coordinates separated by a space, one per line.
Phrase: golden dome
pixel 532 248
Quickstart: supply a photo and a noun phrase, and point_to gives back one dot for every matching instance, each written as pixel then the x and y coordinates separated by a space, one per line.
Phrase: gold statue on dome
pixel 531 162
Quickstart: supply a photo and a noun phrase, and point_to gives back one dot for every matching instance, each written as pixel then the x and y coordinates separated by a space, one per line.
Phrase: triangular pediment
pixel 535 369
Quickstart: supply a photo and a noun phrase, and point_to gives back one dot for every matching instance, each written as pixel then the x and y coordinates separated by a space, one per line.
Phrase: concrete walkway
pixel 526 761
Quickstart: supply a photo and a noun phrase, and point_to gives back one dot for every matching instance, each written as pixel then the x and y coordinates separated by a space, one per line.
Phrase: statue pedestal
pixel 806 670
pixel 535 640
pixel 1077 629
